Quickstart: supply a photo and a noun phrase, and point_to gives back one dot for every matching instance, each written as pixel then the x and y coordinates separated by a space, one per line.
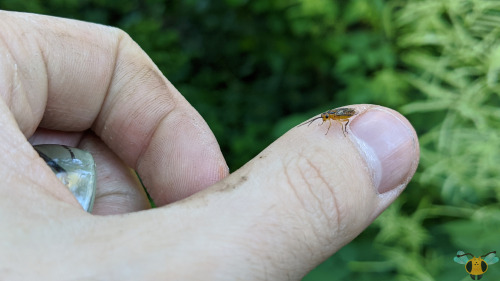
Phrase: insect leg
pixel 328 126
pixel 345 126
pixel 341 125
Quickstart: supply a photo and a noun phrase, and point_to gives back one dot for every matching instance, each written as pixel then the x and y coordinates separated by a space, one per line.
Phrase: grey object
pixel 75 168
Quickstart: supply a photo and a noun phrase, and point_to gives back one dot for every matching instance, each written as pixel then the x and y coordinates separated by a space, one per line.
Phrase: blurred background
pixel 255 69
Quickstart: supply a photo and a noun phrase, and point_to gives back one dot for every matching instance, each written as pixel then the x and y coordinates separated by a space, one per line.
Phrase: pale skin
pixel 91 86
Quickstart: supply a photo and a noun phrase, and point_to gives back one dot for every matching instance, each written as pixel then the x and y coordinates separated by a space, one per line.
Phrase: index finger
pixel 71 76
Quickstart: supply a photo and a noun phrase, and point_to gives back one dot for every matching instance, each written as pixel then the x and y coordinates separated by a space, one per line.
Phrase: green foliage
pixel 454 63
pixel 254 69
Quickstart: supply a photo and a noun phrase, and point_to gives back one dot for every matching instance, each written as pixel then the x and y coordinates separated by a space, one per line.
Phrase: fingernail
pixel 390 147
pixel 75 168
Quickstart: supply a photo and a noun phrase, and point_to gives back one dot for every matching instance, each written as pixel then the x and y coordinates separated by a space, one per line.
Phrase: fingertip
pixel 182 158
pixel 384 138
pixel 389 145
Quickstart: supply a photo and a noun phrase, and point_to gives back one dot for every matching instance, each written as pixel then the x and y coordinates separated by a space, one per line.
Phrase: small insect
pixel 338 115
pixel 476 267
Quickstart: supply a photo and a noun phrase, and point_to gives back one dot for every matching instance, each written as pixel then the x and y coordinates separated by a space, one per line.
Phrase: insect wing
pixel 462 259
pixel 491 259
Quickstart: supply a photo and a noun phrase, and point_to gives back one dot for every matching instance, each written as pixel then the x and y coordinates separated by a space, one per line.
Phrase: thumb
pixel 308 194
pixel 283 213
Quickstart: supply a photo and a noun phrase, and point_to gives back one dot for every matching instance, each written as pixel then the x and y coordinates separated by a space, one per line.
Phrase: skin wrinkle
pixel 135 114
pixel 309 187
pixel 120 36
pixel 204 136
pixel 292 186
pixel 7 98
pixel 150 134
pixel 16 86
pixel 318 173
pixel 301 200
pixel 55 108
pixel 46 74
pixel 334 198
pixel 148 146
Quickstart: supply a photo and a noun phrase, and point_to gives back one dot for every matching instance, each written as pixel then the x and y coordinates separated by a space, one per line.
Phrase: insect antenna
pixel 494 252
pixel 465 255
pixel 310 121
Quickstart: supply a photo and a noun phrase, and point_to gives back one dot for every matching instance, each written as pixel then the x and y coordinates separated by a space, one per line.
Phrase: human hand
pixel 280 215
